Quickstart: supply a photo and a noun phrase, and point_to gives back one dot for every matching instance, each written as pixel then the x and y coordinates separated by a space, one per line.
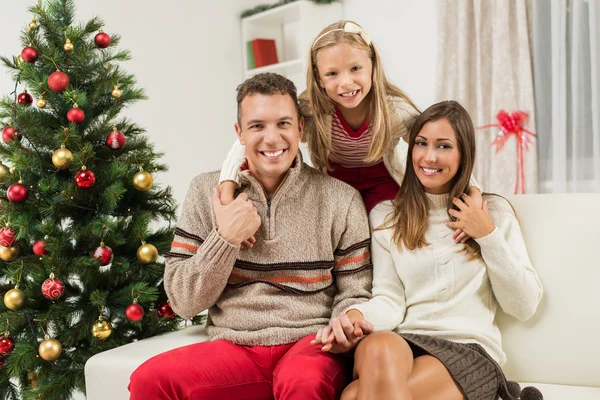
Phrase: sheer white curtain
pixel 566 58
pixel 484 61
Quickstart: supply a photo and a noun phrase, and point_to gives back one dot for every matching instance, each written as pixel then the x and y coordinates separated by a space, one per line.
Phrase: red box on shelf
pixel 265 52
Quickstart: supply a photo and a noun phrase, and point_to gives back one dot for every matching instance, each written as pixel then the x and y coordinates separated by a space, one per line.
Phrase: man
pixel 309 263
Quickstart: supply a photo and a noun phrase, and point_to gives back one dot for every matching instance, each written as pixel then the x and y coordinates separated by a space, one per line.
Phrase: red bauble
pixel 9 134
pixel 76 115
pixel 116 140
pixel 7 344
pixel 53 288
pixel 39 248
pixel 165 310
pixel 25 99
pixel 102 40
pixel 29 54
pixel 134 312
pixel 58 81
pixel 104 254
pixel 17 193
pixel 85 179
pixel 8 236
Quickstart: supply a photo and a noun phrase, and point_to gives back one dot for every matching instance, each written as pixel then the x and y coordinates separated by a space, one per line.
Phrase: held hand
pixel 459 235
pixel 343 334
pixel 236 221
pixel 473 220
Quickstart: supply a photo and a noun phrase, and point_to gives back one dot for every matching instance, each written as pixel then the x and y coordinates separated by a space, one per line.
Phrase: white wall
pixel 186 55
pixel 405 34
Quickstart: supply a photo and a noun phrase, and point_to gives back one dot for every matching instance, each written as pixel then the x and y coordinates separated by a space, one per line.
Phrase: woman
pixel 434 301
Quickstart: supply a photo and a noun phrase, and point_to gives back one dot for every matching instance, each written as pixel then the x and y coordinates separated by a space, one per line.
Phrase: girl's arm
pixel 228 180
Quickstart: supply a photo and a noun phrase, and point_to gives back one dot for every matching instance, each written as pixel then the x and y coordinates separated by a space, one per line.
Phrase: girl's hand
pixel 473 220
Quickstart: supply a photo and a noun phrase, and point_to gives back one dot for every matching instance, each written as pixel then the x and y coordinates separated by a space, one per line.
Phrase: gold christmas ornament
pixel 101 329
pixel 142 181
pixel 41 102
pixel 9 253
pixel 68 46
pixel 116 92
pixel 62 157
pixel 4 172
pixel 147 253
pixel 50 349
pixel 14 299
pixel 32 25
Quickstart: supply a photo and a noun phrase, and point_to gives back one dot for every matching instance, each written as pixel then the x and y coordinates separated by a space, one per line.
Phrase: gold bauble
pixel 9 253
pixel 147 253
pixel 14 299
pixel 32 25
pixel 116 92
pixel 68 46
pixel 4 172
pixel 142 181
pixel 101 329
pixel 50 349
pixel 62 157
pixel 41 102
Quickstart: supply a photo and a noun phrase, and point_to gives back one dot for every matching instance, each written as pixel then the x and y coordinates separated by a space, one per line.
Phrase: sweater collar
pixel 438 201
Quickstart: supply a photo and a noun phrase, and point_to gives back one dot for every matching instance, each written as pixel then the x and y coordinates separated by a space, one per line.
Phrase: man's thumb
pixel 216 198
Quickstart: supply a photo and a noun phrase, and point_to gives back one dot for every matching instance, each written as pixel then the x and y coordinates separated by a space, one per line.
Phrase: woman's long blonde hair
pixel 317 104
pixel 410 216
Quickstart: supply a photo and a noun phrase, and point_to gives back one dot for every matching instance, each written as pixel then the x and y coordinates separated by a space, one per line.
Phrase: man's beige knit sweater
pixel 311 259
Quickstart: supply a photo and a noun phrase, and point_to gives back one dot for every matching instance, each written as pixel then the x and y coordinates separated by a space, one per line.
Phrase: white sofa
pixel 556 350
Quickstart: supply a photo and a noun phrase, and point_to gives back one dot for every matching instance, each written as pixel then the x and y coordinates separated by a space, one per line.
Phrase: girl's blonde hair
pixel 316 133
pixel 410 216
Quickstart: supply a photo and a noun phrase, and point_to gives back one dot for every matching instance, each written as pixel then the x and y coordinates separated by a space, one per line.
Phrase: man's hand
pixel 471 218
pixel 459 235
pixel 236 221
pixel 344 333
pixel 227 191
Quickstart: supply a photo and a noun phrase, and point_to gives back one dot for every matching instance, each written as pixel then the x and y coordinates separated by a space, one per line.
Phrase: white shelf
pixel 280 68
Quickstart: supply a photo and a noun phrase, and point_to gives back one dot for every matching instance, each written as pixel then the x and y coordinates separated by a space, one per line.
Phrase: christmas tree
pixel 82 223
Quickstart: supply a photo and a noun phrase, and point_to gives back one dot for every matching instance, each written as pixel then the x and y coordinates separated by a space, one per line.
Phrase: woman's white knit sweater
pixel 436 290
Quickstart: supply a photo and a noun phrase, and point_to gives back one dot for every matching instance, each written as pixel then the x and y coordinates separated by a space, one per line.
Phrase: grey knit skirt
pixel 476 373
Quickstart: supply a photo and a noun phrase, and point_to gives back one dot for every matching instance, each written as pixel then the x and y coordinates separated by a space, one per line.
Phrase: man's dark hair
pixel 266 83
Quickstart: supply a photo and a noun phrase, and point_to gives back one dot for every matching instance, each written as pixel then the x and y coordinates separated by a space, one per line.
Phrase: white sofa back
pixel 558 345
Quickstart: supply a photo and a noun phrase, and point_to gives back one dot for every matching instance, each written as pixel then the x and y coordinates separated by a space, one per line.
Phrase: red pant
pixel 223 370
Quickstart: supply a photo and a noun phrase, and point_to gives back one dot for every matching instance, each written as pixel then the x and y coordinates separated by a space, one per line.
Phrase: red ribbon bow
pixel 512 124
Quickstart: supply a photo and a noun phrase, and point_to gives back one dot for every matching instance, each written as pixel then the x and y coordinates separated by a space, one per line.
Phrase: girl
pixel 354 119
pixel 438 298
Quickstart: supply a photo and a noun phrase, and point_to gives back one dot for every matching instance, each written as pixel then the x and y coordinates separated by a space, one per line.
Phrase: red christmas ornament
pixel 53 288
pixel 134 312
pixel 7 344
pixel 104 254
pixel 39 248
pixel 29 54
pixel 510 124
pixel 9 134
pixel 85 179
pixel 102 40
pixel 24 99
pixel 17 193
pixel 8 236
pixel 165 310
pixel 76 115
pixel 58 81
pixel 116 140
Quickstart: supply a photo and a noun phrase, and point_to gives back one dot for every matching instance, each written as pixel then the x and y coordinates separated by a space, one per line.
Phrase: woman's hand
pixel 343 333
pixel 472 219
